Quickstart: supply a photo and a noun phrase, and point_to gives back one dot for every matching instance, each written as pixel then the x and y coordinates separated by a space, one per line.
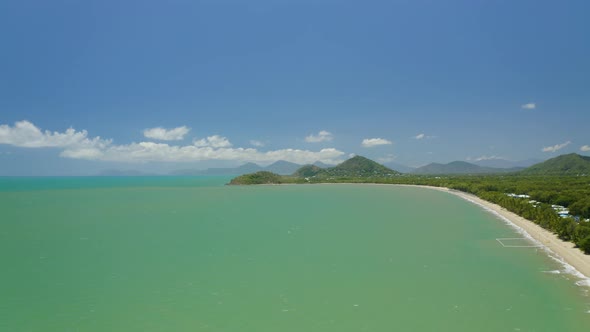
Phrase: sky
pixel 161 85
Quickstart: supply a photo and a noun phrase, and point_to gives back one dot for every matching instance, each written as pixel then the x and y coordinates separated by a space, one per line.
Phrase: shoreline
pixel 572 258
pixel 564 252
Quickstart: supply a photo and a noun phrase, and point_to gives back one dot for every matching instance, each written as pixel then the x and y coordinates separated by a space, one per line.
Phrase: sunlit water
pixel 190 254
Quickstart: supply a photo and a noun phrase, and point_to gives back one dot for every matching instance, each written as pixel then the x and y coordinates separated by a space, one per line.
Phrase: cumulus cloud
pixel 585 148
pixel 371 142
pixel 322 136
pixel 150 151
pixel 256 143
pixel 419 136
pixel 529 106
pixel 214 141
pixel 556 147
pixel 77 145
pixel 27 135
pixel 163 134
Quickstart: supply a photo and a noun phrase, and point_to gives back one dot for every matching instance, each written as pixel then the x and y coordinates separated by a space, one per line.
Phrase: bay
pixel 190 254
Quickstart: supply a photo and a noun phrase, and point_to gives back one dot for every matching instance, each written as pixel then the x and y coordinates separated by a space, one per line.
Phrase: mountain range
pixel 460 167
pixel 280 167
pixel 504 163
pixel 361 167
pixel 355 167
pixel 565 165
pixel 568 164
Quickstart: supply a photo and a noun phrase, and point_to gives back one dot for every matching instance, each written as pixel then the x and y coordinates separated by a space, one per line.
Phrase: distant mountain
pixel 243 169
pixel 282 167
pixel 460 167
pixel 400 168
pixel 307 171
pixel 567 164
pixel 247 168
pixel 118 172
pixel 357 166
pixel 322 165
pixel 504 163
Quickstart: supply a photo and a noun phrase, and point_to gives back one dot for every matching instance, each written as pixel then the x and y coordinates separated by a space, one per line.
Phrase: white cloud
pixel 585 148
pixel 27 135
pixel 214 141
pixel 422 136
pixel 77 145
pixel 322 136
pixel 150 151
pixel 371 142
pixel 82 153
pixel 556 147
pixel 163 134
pixel 485 158
pixel 256 143
pixel 386 159
pixel 529 106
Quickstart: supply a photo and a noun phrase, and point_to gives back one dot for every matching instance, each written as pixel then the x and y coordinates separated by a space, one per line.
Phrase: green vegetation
pixel 564 181
pixel 567 164
pixel 356 167
pixel 261 177
pixel 307 171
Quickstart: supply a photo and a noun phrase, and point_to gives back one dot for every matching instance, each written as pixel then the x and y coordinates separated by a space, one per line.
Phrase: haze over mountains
pixel 564 164
pixel 492 165
pixel 358 168
pixel 504 163
pixel 355 167
pixel 460 167
pixel 568 164
pixel 280 167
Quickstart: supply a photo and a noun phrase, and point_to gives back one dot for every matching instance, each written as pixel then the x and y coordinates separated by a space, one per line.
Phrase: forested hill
pixel 357 166
pixel 460 167
pixel 354 168
pixel 567 164
pixel 261 177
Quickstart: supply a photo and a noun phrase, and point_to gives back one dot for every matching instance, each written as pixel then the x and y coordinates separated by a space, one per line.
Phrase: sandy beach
pixel 563 250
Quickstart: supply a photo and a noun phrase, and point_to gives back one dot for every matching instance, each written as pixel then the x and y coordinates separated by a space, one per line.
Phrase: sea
pixel 193 254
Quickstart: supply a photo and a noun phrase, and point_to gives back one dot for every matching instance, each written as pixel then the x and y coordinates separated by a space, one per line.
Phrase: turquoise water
pixel 190 254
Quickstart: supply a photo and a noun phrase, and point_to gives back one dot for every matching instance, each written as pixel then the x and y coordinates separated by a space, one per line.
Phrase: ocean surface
pixel 190 254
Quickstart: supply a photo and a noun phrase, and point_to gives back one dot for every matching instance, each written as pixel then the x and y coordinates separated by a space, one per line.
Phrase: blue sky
pixel 420 81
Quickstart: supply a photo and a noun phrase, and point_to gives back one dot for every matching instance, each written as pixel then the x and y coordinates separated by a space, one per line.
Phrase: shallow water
pixel 189 254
